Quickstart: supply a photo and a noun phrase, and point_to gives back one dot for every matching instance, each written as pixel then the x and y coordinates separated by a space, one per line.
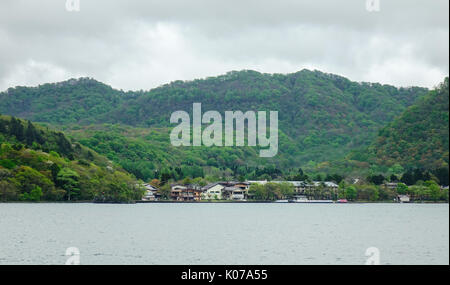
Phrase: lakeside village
pixel 289 191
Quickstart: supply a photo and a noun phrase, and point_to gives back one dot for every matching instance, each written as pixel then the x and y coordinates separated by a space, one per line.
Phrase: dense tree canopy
pixel 38 164
pixel 322 117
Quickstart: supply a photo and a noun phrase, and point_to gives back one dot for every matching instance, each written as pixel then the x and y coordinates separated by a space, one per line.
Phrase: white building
pixel 150 192
pixel 235 193
pixel 403 199
pixel 213 191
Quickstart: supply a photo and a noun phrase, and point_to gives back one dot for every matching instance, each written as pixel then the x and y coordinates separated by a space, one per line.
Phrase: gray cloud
pixel 143 44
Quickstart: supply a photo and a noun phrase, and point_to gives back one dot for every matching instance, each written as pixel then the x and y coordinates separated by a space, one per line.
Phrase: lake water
pixel 224 233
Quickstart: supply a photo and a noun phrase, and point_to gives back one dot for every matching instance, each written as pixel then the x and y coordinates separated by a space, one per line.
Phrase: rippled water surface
pixel 224 233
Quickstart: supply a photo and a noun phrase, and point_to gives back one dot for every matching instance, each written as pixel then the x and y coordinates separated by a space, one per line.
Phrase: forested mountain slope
pixel 420 136
pixel 322 116
pixel 40 164
pixel 315 108
pixel 65 102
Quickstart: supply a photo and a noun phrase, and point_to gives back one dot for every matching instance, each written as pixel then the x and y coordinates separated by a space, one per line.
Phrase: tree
pixel 16 129
pixel 5 174
pixel 435 190
pixel 90 156
pixel 258 192
pixel 368 192
pixel 2 126
pixel 376 179
pixel 397 169
pixel 34 195
pixel 419 192
pixel 444 194
pixel 8 192
pixel 68 179
pixel 351 193
pixel 341 190
pixel 300 176
pixel 402 188
pixel 443 175
pixel 55 168
pixel 164 191
pixel 393 178
pixel 30 134
pixel 375 195
pixel 334 177
pixel 187 181
pixel 272 191
pixel 27 179
pixel 408 178
pixel 199 181
pixel 386 194
pixel 286 190
pixel 165 177
pixel 319 177
pixel 17 146
pixel 155 183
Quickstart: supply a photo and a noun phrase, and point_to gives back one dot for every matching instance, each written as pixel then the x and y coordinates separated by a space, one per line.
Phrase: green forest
pixel 39 164
pixel 421 132
pixel 330 128
pixel 321 116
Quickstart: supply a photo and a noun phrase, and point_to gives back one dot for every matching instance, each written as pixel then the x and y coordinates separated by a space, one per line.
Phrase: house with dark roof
pixel 180 192
pixel 212 191
pixel 151 193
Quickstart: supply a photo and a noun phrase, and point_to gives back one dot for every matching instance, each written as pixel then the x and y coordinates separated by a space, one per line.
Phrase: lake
pixel 224 233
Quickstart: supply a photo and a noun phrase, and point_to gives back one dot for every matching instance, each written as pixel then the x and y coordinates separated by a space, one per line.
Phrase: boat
pixel 281 201
pixel 342 201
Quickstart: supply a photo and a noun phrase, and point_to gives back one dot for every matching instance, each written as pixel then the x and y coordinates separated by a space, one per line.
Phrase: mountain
pixel 322 117
pixel 65 102
pixel 40 164
pixel 420 136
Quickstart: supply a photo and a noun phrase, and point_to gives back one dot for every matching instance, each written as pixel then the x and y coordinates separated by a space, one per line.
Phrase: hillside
pixel 65 102
pixel 415 142
pixel 40 164
pixel 148 153
pixel 420 136
pixel 322 117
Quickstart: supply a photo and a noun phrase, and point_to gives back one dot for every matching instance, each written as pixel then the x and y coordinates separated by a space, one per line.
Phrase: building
pixel 391 185
pixel 176 191
pixel 301 187
pixel 403 199
pixel 229 190
pixel 235 193
pixel 148 196
pixel 242 185
pixel 212 191
pixel 259 182
pixel 197 193
pixel 151 193
pixel 185 192
pixel 236 190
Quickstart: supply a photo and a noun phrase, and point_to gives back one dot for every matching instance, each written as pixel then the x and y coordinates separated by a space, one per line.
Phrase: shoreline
pixel 212 202
pixel 274 202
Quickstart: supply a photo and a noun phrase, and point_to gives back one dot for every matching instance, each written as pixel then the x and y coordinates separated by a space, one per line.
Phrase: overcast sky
pixel 143 44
